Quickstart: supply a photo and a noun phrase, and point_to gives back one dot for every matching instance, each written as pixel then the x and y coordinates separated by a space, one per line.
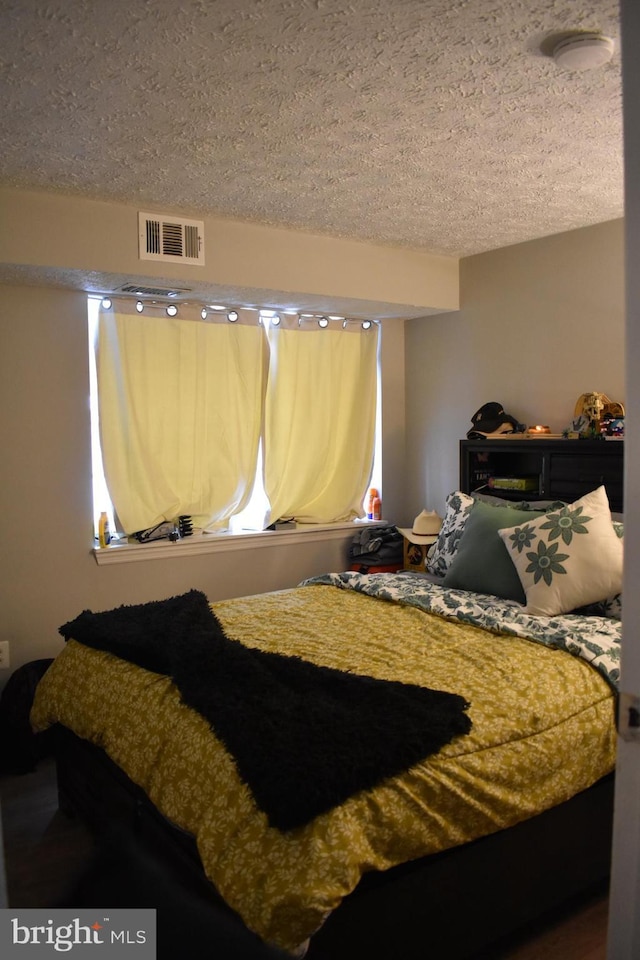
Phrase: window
pixel 319 385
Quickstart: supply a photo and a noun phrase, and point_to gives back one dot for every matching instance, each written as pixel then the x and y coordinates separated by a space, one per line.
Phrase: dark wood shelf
pixel 564 469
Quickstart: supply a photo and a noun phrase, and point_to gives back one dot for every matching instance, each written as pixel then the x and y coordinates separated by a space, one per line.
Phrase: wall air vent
pixel 168 238
pixel 144 291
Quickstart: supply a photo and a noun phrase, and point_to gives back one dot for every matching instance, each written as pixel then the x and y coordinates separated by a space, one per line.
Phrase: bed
pixel 503 817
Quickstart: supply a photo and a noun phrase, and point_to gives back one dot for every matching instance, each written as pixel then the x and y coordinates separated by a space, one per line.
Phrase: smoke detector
pixel 583 51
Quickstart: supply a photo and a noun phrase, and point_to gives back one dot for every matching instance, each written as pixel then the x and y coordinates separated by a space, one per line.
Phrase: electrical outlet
pixel 4 654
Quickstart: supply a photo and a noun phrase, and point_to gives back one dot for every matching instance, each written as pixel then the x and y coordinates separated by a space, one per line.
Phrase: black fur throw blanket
pixel 304 738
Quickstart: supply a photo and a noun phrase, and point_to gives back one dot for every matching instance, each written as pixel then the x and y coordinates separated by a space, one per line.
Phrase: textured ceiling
pixel 440 124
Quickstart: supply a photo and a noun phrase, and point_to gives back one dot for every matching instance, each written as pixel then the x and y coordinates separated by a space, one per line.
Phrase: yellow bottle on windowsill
pixel 104 534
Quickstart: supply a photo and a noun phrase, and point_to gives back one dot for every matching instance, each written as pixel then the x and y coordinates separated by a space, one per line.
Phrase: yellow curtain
pixel 180 412
pixel 320 414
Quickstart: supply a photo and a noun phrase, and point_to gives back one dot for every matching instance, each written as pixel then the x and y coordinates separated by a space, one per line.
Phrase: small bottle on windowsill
pixel 104 534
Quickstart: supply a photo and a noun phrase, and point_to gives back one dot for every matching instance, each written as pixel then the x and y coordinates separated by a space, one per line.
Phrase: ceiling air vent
pixel 144 291
pixel 169 238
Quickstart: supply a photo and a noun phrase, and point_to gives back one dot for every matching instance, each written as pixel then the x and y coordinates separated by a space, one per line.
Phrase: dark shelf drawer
pixel 582 468
pixel 571 476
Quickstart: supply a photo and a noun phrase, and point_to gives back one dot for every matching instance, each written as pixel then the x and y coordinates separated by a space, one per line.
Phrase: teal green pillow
pixel 482 563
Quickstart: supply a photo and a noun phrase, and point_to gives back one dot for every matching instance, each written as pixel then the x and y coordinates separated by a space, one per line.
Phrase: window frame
pixel 123 550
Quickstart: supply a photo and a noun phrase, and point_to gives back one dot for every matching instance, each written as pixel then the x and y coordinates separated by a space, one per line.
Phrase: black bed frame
pixel 449 906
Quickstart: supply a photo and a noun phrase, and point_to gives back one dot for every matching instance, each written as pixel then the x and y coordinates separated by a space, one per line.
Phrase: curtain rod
pixel 207 309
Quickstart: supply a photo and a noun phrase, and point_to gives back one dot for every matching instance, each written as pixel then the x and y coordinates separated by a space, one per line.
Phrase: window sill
pixel 203 543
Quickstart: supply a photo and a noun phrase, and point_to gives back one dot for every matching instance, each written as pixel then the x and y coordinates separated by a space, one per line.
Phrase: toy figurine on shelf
pixel 593 411
pixel 592 407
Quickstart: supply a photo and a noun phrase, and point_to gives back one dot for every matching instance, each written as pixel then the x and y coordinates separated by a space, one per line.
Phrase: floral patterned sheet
pixel 594 639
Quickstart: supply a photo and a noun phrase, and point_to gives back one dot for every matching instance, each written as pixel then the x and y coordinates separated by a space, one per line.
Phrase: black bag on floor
pixel 376 547
pixel 20 747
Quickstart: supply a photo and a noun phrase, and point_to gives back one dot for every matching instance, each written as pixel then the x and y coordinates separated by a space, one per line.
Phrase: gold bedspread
pixel 542 730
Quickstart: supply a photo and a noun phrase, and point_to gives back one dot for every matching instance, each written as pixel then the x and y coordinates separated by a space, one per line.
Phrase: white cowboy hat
pixel 426 528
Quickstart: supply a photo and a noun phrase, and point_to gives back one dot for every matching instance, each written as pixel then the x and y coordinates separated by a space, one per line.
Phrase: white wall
pixel 85 243
pixel 47 571
pixel 540 324
pixel 55 247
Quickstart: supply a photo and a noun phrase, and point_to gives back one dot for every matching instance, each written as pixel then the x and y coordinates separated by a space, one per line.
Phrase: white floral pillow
pixel 611 608
pixel 568 558
pixel 441 554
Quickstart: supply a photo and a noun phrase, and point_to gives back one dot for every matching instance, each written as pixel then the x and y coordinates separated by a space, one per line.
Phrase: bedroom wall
pixel 540 324
pixel 55 247
pixel 83 243
pixel 47 571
